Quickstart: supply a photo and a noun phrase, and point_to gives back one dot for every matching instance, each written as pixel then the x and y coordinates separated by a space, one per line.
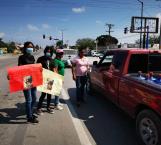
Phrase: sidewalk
pixel 53 129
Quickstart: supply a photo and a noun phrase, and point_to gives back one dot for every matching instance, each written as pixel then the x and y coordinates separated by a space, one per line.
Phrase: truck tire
pixel 148 128
pixel 89 88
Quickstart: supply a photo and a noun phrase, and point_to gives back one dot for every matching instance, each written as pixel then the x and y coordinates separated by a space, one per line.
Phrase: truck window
pixel 106 62
pixel 138 62
pixel 155 62
pixel 145 63
pixel 118 59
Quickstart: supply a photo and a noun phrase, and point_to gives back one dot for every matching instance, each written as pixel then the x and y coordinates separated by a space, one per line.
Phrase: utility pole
pixel 142 5
pixel 62 34
pixel 109 28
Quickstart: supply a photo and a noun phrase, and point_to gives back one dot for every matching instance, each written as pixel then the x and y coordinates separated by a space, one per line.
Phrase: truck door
pixel 99 70
pixel 112 76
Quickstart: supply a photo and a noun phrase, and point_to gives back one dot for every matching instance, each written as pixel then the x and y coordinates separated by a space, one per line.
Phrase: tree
pixel 154 40
pixel 11 47
pixel 85 43
pixel 2 44
pixel 59 43
pixel 105 40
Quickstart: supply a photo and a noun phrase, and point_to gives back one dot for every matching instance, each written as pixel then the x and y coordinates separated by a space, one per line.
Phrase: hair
pixel 26 45
pixel 48 48
pixel 80 50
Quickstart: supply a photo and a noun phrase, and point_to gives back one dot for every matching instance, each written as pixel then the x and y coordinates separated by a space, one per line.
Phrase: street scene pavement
pixel 97 121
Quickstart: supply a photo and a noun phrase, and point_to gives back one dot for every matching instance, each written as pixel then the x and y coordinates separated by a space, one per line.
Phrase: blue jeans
pixel 80 84
pixel 30 97
pixel 56 100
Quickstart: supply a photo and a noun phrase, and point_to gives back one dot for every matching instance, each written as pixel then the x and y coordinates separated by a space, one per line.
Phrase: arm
pixel 19 61
pixel 73 71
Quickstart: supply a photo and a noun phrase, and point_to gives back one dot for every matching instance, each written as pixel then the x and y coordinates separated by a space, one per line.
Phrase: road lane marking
pixel 83 137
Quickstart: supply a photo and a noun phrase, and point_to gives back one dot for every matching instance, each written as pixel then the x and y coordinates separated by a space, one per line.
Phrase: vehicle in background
pixel 131 79
pixel 3 50
pixel 97 54
pixel 69 54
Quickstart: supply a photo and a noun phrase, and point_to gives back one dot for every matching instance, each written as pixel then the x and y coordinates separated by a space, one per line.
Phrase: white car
pixel 96 54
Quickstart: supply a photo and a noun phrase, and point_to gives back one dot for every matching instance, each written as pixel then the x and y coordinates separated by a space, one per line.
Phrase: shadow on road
pixel 13 115
pixel 106 123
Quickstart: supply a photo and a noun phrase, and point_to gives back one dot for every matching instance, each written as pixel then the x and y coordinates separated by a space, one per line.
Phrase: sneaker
pixel 32 120
pixel 39 112
pixel 34 116
pixel 49 110
pixel 58 107
pixel 60 104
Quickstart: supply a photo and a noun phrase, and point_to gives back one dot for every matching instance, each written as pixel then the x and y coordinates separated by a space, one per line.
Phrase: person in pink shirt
pixel 80 67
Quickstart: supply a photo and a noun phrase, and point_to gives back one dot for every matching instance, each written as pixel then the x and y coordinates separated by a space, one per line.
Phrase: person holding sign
pixel 29 91
pixel 45 60
pixel 58 66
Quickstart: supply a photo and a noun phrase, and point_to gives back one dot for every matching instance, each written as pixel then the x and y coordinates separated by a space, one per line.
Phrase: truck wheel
pixel 148 128
pixel 89 88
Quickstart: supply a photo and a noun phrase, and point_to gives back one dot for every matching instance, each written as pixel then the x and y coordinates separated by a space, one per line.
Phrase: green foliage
pixel 11 47
pixel 85 43
pixel 73 47
pixel 154 40
pixel 105 40
pixel 59 43
pixel 2 44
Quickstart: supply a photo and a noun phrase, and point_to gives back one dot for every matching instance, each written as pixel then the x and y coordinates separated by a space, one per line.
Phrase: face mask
pixel 48 54
pixel 29 50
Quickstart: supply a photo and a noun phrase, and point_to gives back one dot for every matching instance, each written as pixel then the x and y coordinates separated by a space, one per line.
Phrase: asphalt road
pixel 96 122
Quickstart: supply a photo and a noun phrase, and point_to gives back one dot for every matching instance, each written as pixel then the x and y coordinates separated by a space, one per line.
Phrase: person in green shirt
pixel 58 66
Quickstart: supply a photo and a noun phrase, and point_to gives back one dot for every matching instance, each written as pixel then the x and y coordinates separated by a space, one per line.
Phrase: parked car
pixel 122 76
pixel 96 54
pixel 69 54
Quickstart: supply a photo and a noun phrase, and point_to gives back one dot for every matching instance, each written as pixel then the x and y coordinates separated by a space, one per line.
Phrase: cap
pixel 59 51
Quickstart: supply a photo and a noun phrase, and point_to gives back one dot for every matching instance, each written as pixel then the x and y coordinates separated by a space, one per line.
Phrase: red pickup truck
pixel 131 78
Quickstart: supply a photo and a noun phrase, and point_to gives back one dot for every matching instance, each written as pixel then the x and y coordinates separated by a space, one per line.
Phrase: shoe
pixel 60 104
pixel 49 110
pixel 34 116
pixel 32 120
pixel 58 107
pixel 39 112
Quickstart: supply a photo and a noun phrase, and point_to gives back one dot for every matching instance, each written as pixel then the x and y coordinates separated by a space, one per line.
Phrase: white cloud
pixel 45 26
pixel 32 27
pixel 99 22
pixel 79 10
pixel 2 34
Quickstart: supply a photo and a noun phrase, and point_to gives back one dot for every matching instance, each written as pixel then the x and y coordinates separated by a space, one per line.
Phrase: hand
pixel 8 77
pixel 74 77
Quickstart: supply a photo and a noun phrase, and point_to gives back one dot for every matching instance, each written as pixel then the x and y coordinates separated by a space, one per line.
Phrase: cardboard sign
pixel 52 83
pixel 25 77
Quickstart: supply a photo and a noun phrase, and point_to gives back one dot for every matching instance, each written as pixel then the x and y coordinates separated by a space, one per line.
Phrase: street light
pixel 141 21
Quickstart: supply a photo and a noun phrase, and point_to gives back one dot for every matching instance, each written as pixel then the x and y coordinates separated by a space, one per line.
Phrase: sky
pixel 28 20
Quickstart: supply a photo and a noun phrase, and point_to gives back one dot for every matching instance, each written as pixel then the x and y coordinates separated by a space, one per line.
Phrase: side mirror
pixel 95 63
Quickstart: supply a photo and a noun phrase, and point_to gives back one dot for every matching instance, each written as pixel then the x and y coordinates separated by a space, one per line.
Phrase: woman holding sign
pixel 45 60
pixel 58 66
pixel 29 91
